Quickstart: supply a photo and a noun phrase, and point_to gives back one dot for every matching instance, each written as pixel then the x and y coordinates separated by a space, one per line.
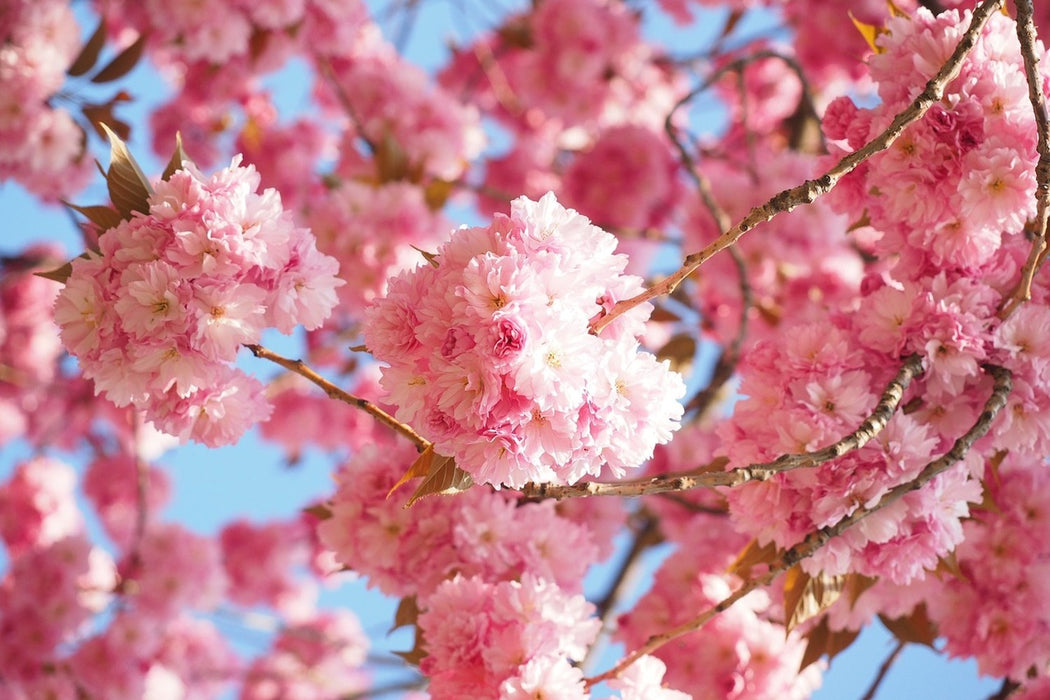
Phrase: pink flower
pixel 625 181
pixel 157 317
pixel 491 356
pixel 642 681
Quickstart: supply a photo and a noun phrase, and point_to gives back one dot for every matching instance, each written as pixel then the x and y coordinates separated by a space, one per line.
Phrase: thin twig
pixel 1027 36
pixel 645 538
pixel 324 66
pixel 1000 392
pixel 334 392
pixel 705 478
pixel 883 670
pixel 810 190
pixel 727 362
pixel 141 500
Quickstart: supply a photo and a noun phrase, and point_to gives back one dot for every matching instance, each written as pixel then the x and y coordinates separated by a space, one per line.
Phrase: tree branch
pixel 807 547
pixel 883 670
pixel 810 190
pixel 705 478
pixel 334 392
pixel 1026 35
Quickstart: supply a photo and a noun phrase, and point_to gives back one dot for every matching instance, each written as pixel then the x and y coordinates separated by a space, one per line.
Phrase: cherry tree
pixel 758 313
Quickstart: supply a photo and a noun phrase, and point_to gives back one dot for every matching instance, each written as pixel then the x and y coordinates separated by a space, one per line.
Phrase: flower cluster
pixel 479 533
pixel 625 181
pixel 261 563
pixel 312 660
pixel 29 344
pixel 942 210
pixel 491 356
pixel 954 182
pixel 408 121
pixel 156 317
pixel 511 639
pixel 742 653
pixel 568 63
pixel 371 232
pixel 40 145
pixel 798 265
pixel 47 595
pixel 37 507
pixel 998 608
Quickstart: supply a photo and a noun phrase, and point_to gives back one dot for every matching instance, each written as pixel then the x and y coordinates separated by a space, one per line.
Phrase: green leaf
pixel 129 189
pixel 122 63
pixel 176 160
pixel 88 55
pixel 104 218
pixel 444 478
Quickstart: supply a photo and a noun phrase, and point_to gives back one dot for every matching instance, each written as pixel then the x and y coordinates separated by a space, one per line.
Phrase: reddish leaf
pixel 407 613
pixel 89 53
pixel 391 160
pixel 680 351
pixel 319 511
pixel 948 565
pixel 59 275
pixel 429 257
pixel 122 63
pixel 128 186
pixel 104 218
pixel 444 478
pixel 896 11
pixel 176 160
pixel 856 584
pixel 437 193
pixel 753 555
pixel 915 628
pixel 99 115
pixel 421 467
pixel 806 597
pixel 417 652
pixel 663 314
pixel 823 641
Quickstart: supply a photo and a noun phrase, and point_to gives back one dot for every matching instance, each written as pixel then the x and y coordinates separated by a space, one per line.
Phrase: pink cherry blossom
pixel 510 386
pixel 157 314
